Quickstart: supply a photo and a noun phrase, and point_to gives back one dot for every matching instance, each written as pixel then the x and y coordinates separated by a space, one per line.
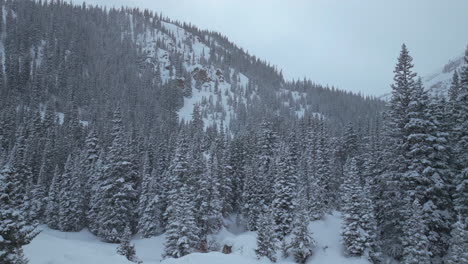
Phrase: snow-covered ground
pixel 54 247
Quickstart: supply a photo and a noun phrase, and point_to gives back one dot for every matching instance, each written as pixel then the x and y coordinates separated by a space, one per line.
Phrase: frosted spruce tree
pixel 70 200
pixel 15 232
pixel 182 232
pixel 126 248
pixel 88 168
pixel 266 241
pixel 322 172
pixel 146 195
pixel 302 244
pixel 52 207
pixel 210 210
pixel 150 202
pixel 96 198
pixel 354 237
pixel 151 221
pixel 415 241
pixel 118 195
pixel 392 187
pixel 460 135
pixel 283 205
pixel 251 207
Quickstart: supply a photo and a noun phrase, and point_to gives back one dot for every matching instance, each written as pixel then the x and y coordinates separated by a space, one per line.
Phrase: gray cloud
pixel 352 44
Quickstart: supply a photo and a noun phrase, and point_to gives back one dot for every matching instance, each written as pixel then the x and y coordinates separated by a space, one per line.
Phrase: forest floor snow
pixel 55 247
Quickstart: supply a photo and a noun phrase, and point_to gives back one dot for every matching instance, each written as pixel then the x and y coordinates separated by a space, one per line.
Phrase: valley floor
pixel 54 247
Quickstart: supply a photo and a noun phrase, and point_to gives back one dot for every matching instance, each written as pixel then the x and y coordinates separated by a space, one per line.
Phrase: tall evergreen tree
pixel 390 214
pixel 181 232
pixel 210 211
pixel 302 244
pixel 88 169
pixel 53 200
pixel 266 242
pixel 354 236
pixel 15 232
pixel 415 242
pixel 71 206
pixel 283 205
pixel 460 133
pixel 119 197
pixel 150 204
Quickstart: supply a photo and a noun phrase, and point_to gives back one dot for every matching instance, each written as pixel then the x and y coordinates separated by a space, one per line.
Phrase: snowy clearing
pixel 55 247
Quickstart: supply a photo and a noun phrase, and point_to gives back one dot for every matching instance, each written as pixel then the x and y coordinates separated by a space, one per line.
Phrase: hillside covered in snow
pixel 438 83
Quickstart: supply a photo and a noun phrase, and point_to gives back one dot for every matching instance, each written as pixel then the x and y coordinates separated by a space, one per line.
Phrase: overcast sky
pixel 352 44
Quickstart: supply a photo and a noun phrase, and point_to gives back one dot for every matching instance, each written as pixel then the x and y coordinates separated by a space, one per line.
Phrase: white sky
pixel 352 44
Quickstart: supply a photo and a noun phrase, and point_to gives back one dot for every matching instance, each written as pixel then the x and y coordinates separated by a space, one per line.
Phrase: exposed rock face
pixel 227 249
pixel 201 75
pixel 180 83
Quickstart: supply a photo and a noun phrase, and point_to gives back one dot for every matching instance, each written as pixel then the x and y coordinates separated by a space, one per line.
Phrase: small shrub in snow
pixel 126 249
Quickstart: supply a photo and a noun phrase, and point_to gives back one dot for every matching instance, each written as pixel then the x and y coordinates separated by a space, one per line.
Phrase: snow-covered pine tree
pixel 19 165
pixel 350 141
pixel 369 223
pixel 181 232
pixel 53 200
pixel 225 182
pixel 284 188
pixel 415 241
pixel 266 241
pixel 177 174
pixel 96 198
pixel 251 208
pixel 15 232
pixel 322 172
pixel 354 236
pixel 88 170
pixel 46 173
pixel 117 207
pixel 210 210
pixel 438 205
pixel 460 135
pixel 312 188
pixel 70 201
pixel 458 253
pixel 267 143
pixel 455 87
pixel 145 194
pixel 389 187
pixel 302 243
pixel 38 202
pixel 150 206
pixel 126 248
pixel 417 131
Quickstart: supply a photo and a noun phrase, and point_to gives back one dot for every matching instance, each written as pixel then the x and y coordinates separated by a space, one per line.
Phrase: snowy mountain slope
pixel 439 81
pixel 199 67
pixel 219 91
pixel 208 84
pixel 55 247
